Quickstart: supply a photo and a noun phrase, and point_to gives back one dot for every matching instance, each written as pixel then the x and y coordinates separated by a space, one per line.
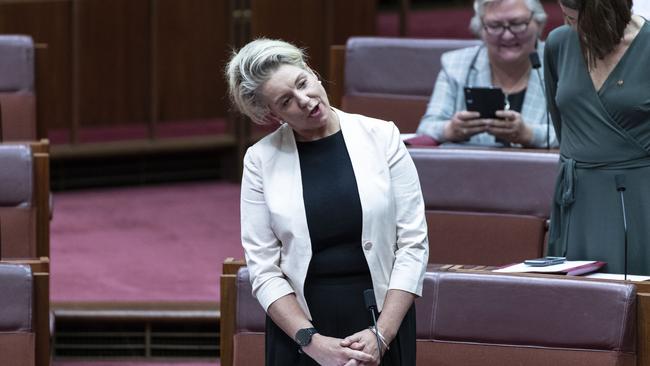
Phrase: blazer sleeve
pixel 261 246
pixel 441 107
pixel 412 245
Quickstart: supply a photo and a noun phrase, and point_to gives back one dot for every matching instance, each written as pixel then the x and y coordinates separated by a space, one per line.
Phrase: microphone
pixel 369 300
pixel 534 60
pixel 371 305
pixel 536 64
pixel 619 179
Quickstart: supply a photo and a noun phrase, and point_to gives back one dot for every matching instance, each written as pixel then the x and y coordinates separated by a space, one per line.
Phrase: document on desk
pixel 571 268
pixel 618 276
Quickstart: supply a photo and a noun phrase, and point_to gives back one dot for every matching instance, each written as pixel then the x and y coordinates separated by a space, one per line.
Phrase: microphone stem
pixel 548 118
pixel 625 238
pixel 374 322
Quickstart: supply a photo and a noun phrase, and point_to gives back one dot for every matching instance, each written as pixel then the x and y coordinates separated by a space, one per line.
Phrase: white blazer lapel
pixel 285 194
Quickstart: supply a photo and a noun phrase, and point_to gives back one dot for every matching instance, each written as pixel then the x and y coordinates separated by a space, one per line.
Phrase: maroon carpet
pixel 158 243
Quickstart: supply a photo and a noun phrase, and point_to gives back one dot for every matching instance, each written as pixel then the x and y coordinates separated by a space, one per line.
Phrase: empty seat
pixel 17 337
pixel 392 78
pixel 17 95
pixel 24 201
pixel 485 207
pixel 479 318
pixel 250 323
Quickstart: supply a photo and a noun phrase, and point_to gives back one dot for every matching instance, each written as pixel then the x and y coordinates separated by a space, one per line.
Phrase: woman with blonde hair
pixel 331 207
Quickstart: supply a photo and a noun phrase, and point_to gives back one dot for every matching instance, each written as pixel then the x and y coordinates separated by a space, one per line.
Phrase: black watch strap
pixel 303 336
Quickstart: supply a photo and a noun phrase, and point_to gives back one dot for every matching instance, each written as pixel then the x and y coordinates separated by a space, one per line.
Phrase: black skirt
pixel 338 310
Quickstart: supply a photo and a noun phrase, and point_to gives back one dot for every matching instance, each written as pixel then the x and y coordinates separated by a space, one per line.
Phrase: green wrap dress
pixel 602 133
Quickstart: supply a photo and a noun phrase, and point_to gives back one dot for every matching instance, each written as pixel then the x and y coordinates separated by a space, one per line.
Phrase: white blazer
pixel 274 228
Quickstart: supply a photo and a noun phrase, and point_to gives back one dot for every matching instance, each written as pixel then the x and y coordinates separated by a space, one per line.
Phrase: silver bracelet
pixel 381 336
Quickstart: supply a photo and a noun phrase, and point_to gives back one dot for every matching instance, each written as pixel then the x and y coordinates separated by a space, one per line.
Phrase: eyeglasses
pixel 497 29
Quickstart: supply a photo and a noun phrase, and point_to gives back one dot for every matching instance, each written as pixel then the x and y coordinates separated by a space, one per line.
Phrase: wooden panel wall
pixel 314 24
pixel 113 61
pixel 144 62
pixel 126 61
pixel 48 22
pixel 193 46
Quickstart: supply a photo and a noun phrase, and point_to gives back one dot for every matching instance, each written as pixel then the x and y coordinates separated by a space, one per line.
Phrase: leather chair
pixel 17 96
pixel 24 229
pixel 485 207
pixel 24 200
pixel 392 78
pixel 248 340
pixel 17 336
pixel 488 319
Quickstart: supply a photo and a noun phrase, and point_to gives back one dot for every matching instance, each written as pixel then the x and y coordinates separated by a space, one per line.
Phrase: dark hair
pixel 601 25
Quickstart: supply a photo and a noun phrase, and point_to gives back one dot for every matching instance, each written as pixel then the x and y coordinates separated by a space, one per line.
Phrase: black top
pixel 516 101
pixel 333 208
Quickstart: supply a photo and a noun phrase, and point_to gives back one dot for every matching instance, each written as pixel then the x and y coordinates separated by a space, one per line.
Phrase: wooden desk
pixel 229 303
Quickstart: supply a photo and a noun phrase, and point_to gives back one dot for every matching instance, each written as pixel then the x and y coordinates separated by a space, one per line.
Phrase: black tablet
pixel 486 101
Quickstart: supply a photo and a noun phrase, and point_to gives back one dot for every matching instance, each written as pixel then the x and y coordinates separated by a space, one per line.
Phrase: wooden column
pixel 228 309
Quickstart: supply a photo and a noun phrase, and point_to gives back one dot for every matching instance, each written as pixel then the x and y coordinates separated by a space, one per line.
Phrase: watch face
pixel 303 336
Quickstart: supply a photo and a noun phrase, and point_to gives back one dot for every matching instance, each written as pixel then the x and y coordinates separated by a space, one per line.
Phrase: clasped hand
pixel 508 126
pixel 359 349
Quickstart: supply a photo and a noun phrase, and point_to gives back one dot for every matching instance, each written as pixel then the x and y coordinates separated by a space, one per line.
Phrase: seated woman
pixel 331 210
pixel 510 30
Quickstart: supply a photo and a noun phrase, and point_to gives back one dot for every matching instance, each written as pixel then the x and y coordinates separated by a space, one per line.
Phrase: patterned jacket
pixel 448 96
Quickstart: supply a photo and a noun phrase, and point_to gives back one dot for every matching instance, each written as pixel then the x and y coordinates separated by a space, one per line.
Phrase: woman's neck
pixel 333 126
pixel 632 29
pixel 511 77
pixel 607 63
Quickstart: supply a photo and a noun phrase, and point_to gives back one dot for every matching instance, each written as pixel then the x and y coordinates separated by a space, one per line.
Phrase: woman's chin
pixel 512 55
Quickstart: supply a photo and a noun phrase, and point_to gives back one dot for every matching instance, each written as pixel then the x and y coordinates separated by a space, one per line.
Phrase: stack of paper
pixel 571 268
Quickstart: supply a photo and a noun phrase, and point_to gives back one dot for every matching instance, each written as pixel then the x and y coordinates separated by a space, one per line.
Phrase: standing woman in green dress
pixel 598 91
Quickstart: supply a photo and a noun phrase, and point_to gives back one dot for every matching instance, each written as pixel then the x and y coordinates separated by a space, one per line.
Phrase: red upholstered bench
pixel 17 97
pixel 248 341
pixel 486 207
pixel 488 319
pixel 24 200
pixel 17 336
pixel 481 318
pixel 389 78
pixel 24 235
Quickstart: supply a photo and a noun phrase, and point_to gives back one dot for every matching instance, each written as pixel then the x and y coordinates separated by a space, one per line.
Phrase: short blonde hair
pixel 252 66
pixel 535 6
